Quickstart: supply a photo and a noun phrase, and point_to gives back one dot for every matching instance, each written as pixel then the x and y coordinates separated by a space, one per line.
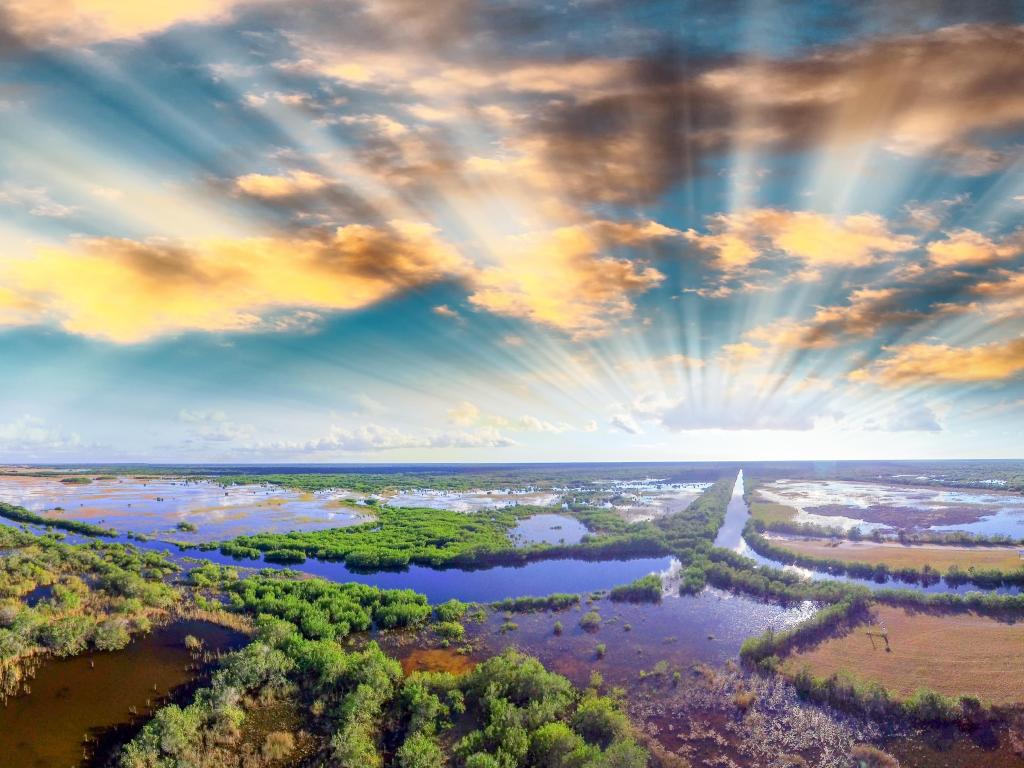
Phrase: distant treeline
pixel 947 538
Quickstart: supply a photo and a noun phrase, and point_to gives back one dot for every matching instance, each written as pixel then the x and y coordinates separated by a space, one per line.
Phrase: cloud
pixel 443 310
pixel 529 423
pixel 36 200
pixel 464 414
pixel 218 285
pixel 467 414
pixel 874 91
pixel 283 283
pixel 430 75
pixel 926 364
pixel 29 434
pixel 299 99
pixel 625 423
pixel 372 437
pixel 563 280
pixel 274 187
pixel 917 418
pixel 713 412
pixel 660 118
pixel 366 404
pixel 738 240
pixel 82 22
pixel 741 352
pixel 929 216
pixel 213 426
pixel 684 416
pixel 868 311
pixel 16 309
pixel 967 247
pixel 1003 295
pixel 907 297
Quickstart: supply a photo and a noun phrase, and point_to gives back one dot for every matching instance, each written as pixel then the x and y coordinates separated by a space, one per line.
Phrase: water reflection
pixel 94 694
pixel 681 630
pixel 158 506
pixel 548 529
pixel 867 506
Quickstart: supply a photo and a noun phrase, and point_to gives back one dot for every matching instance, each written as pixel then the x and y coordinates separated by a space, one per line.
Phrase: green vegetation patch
pixel 22 515
pixel 396 538
pixel 555 602
pixel 644 590
pixel 327 610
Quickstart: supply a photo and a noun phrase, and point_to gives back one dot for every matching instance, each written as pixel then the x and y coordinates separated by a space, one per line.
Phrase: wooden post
pixel 883 635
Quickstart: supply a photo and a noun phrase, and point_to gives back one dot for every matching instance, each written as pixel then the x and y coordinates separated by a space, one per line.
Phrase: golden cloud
pixel 876 92
pixel 424 73
pixel 15 309
pixel 562 280
pixel 79 22
pixel 942 363
pixel 654 123
pixel 739 239
pixel 740 353
pixel 966 247
pixel 275 187
pixel 129 291
pixel 1003 298
pixel 868 311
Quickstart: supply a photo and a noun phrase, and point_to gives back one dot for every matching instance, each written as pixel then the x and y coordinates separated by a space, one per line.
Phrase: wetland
pixel 663 612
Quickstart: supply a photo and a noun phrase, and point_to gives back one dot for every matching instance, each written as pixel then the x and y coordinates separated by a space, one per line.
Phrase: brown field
pixel 898 555
pixel 951 653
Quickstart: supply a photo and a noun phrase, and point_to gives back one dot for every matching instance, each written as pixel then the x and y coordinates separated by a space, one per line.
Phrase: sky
pixel 510 230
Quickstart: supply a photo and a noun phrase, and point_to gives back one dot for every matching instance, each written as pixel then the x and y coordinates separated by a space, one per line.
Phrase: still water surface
pixel 93 694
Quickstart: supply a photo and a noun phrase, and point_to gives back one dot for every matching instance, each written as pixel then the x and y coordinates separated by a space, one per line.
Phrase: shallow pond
pixel 472 501
pixel 156 506
pixel 548 529
pixel 876 505
pixel 93 695
pixel 647 499
pixel 680 630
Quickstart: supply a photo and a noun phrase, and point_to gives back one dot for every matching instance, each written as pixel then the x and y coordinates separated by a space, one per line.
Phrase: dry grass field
pixel 898 555
pixel 950 653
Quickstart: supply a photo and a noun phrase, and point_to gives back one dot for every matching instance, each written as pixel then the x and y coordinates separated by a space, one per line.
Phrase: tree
pixel 420 751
